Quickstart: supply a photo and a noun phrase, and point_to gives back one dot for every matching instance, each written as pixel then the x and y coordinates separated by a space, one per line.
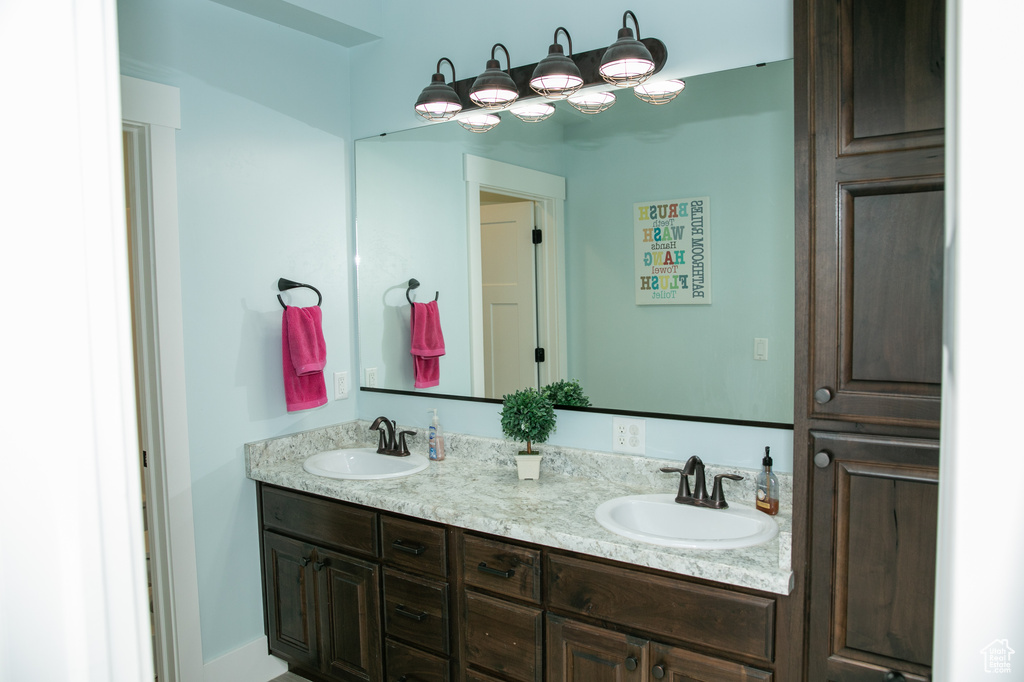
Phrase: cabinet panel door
pixel 504 638
pixel 350 630
pixel 678 665
pixel 290 587
pixel 583 653
pixel 876 211
pixel 873 562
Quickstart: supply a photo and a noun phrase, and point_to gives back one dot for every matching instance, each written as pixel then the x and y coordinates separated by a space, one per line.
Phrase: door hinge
pixel 145 460
pixel 538 355
pixel 536 235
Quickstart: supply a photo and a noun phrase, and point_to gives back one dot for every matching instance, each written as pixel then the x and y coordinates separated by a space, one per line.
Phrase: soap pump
pixel 767 487
pixel 435 438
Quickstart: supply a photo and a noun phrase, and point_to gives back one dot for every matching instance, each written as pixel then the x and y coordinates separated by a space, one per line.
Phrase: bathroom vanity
pixel 462 572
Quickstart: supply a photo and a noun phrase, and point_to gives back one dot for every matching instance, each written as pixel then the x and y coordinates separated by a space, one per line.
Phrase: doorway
pixel 509 282
pixel 506 204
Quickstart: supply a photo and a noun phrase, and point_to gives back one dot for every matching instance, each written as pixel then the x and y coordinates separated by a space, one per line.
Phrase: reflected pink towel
pixel 304 354
pixel 427 344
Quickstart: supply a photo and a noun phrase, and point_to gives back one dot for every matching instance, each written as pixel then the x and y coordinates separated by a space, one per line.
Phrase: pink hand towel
pixel 427 344
pixel 303 355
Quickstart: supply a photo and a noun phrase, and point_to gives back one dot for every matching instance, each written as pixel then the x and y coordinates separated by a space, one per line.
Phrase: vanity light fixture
pixel 532 112
pixel 439 101
pixel 557 76
pixel 494 88
pixel 479 122
pixel 627 62
pixel 592 102
pixel 660 92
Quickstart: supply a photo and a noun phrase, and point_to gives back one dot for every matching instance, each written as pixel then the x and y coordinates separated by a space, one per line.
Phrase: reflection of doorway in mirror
pixel 508 279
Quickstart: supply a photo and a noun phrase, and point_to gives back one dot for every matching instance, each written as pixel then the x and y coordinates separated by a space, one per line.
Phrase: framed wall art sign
pixel 672 251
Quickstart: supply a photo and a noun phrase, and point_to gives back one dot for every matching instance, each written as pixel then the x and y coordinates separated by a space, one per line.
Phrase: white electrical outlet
pixel 340 385
pixel 629 436
pixel 371 377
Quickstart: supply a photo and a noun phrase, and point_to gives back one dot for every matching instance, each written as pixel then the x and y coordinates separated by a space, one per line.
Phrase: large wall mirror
pixel 456 211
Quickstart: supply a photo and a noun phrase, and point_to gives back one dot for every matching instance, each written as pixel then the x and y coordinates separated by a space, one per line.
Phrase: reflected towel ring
pixel 285 284
pixel 414 284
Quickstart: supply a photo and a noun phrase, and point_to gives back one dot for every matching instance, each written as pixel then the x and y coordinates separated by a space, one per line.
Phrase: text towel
pixel 427 344
pixel 304 354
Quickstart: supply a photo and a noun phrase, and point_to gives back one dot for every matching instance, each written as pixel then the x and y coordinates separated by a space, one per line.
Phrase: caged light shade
pixel 533 112
pixel 439 101
pixel 660 92
pixel 592 102
pixel 479 122
pixel 627 62
pixel 557 76
pixel 494 88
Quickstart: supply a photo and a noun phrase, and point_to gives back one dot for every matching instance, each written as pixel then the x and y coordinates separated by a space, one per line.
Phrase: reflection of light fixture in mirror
pixel 627 62
pixel 494 88
pixel 592 102
pixel 439 101
pixel 479 122
pixel 661 92
pixel 557 76
pixel 533 112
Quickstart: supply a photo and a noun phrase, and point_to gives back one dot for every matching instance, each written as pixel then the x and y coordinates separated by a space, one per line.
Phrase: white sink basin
pixel 363 463
pixel 658 520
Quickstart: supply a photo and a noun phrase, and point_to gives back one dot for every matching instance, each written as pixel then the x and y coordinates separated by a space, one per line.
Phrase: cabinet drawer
pixel 416 610
pixel 414 546
pixel 694 667
pixel 325 522
pixel 504 638
pixel 502 567
pixel 736 623
pixel 408 664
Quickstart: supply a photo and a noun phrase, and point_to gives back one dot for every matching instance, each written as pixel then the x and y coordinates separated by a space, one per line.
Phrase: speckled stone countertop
pixel 476 487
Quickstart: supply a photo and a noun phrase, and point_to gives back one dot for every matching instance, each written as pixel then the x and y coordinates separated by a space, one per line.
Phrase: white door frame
pixel 548 192
pixel 151 115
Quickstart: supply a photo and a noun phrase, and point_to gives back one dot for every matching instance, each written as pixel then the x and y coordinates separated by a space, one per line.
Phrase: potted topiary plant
pixel 566 392
pixel 529 416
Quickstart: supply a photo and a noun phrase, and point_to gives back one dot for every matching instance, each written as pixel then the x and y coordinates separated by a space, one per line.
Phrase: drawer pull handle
pixel 484 568
pixel 658 672
pixel 408 549
pixel 631 663
pixel 304 560
pixel 894 676
pixel 320 564
pixel 418 616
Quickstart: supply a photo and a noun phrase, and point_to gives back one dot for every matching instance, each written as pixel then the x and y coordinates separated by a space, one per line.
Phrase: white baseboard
pixel 250 663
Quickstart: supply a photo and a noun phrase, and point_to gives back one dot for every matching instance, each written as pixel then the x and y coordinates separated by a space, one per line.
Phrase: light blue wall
pixel 263 192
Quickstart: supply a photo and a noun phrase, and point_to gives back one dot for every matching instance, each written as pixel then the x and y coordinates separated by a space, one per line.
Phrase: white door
pixel 509 297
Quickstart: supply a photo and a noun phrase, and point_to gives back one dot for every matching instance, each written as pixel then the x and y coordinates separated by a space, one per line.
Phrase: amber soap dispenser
pixel 767 487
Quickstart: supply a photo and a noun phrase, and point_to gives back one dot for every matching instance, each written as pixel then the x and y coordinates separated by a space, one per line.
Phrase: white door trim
pixel 548 191
pixel 152 113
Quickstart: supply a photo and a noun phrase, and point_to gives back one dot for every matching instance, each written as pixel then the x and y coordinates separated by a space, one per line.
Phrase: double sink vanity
pixel 460 571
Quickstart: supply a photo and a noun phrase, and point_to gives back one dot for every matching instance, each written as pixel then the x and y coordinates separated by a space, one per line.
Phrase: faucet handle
pixel 402 448
pixel 717 500
pixel 684 482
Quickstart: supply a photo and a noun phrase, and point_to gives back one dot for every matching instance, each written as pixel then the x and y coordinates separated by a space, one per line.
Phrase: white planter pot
pixel 529 467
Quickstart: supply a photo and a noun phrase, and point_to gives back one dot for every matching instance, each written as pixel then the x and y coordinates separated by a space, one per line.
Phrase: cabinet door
pixel 673 664
pixel 350 638
pixel 583 653
pixel 873 559
pixel 504 638
pixel 875 203
pixel 290 587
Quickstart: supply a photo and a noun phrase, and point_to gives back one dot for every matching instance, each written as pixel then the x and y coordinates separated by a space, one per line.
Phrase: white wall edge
pixel 250 663
pixel 150 103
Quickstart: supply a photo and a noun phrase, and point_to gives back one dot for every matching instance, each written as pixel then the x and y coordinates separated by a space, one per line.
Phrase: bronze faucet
pixel 386 442
pixel 699 497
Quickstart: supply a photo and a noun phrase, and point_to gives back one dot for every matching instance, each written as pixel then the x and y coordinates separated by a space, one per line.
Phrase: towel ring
pixel 285 284
pixel 414 284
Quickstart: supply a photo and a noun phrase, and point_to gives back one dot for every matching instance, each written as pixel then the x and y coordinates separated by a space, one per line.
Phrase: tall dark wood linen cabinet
pixel 870 181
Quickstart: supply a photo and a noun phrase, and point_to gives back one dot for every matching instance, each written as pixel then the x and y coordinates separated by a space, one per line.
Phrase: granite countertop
pixel 477 488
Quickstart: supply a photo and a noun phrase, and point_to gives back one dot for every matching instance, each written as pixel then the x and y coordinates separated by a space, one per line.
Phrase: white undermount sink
pixel 363 463
pixel 659 520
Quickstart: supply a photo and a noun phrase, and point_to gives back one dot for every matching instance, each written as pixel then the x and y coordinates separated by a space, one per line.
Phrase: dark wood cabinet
pixel 349 608
pixel 290 596
pixel 870 248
